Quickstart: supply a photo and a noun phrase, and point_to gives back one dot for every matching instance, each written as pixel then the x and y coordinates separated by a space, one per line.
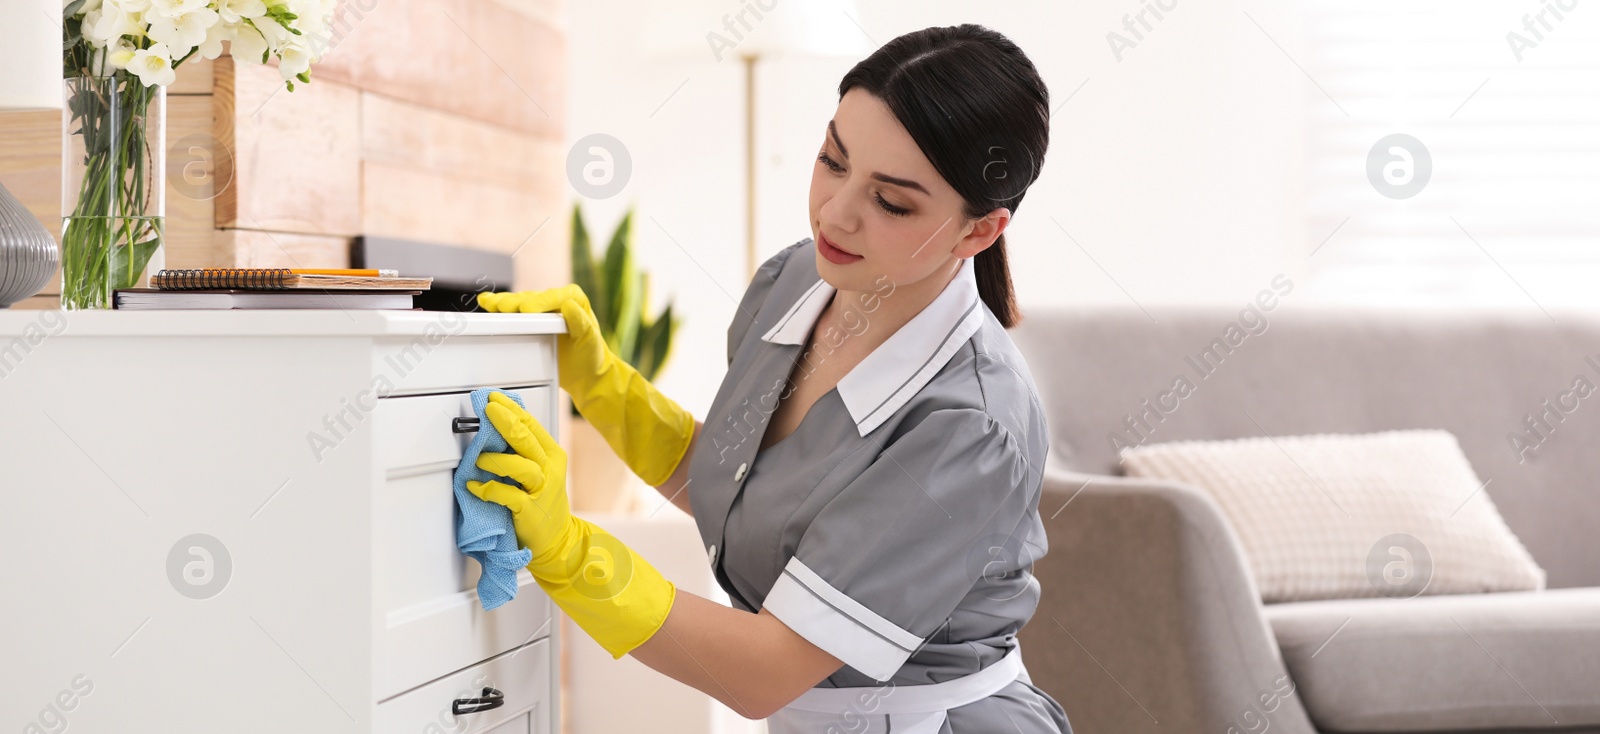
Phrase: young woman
pixel 867 480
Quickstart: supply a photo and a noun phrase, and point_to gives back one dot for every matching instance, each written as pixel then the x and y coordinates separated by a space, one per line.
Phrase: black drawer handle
pixel 492 699
pixel 463 425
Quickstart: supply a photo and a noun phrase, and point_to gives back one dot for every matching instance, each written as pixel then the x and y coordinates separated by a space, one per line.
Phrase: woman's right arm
pixel 676 488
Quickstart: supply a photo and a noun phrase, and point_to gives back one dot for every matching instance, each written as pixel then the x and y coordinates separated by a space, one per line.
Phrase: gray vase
pixel 28 254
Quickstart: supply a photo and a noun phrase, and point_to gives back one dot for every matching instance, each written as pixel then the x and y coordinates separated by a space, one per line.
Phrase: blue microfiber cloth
pixel 483 528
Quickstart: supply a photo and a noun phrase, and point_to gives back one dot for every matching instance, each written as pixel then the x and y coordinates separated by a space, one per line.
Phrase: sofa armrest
pixel 1149 619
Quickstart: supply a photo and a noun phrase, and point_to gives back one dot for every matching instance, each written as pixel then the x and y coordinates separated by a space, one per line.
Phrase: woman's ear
pixel 983 232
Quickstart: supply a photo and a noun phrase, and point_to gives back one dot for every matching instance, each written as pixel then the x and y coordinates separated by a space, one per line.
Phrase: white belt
pixel 925 702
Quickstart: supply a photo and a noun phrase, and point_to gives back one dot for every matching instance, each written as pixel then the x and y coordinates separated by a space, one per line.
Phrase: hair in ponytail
pixel 980 112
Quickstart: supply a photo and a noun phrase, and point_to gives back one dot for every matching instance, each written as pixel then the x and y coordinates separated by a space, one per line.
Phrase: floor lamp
pixel 31 59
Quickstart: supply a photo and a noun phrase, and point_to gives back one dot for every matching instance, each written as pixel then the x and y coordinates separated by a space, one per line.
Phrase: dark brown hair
pixel 979 111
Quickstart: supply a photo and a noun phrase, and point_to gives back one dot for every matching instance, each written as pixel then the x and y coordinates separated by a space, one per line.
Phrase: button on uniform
pixel 711 555
pixel 738 474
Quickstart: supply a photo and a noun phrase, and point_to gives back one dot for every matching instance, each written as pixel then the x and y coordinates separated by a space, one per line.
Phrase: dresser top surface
pixel 275 322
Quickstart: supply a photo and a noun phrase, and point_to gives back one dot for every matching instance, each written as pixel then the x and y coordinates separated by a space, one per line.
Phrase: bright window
pixel 1505 98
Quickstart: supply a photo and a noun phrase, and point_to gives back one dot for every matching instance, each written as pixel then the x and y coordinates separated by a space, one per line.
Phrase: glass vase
pixel 113 194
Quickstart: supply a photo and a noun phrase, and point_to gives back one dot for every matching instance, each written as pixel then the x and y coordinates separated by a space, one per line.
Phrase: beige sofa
pixel 1150 621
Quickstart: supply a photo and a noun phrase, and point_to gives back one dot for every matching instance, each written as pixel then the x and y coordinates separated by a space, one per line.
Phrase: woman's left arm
pixel 753 663
pixel 676 488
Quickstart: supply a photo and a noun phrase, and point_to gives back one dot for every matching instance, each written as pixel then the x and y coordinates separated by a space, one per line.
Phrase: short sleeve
pixel 755 294
pixel 888 559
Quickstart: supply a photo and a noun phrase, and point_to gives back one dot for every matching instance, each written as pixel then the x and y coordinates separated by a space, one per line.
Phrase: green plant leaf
pixel 621 289
pixel 125 274
pixel 640 355
pixel 664 340
pixel 620 294
pixel 644 301
pixel 631 324
pixel 583 263
pixel 653 343
pixel 642 319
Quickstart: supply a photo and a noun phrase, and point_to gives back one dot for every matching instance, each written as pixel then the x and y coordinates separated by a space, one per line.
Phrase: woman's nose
pixel 838 214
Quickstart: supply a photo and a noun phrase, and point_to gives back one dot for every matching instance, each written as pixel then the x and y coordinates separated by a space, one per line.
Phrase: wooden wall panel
pixel 492 61
pixel 191 183
pixel 399 133
pixel 417 204
pixel 553 12
pixel 295 155
pixel 194 77
pixel 30 163
pixel 440 177
pixel 285 250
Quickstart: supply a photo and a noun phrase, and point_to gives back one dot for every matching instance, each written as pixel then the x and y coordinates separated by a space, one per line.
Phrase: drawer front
pixel 523 724
pixel 442 363
pixel 428 619
pixel 523 675
pixel 412 435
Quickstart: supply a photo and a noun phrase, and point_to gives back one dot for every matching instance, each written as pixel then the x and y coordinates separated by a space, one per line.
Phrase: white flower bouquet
pixel 119 56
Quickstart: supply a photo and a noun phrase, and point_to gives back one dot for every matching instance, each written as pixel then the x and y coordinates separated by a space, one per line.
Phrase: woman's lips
pixel 833 253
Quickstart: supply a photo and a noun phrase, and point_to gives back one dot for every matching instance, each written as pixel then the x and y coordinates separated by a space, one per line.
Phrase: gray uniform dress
pixel 896 527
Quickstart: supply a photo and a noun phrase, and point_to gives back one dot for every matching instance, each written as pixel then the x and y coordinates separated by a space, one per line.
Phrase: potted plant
pixel 619 293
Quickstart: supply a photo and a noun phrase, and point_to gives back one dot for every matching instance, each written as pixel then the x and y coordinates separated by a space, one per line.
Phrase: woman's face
pixel 874 194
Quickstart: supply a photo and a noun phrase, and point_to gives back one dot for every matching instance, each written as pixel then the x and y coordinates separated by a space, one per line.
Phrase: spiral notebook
pixel 276 279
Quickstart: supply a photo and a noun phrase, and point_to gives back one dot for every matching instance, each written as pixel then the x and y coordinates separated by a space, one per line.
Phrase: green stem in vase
pixel 112 231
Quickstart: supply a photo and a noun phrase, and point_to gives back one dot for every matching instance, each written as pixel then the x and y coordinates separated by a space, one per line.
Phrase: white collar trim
pixel 895 371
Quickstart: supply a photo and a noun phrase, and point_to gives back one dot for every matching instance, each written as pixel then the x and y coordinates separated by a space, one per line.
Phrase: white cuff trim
pixel 838 624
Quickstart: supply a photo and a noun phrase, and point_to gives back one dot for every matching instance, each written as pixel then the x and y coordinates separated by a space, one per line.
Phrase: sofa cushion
pixel 1335 516
pixel 1520 659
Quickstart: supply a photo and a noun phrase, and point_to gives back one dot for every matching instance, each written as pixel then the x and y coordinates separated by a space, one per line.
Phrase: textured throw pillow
pixel 1332 516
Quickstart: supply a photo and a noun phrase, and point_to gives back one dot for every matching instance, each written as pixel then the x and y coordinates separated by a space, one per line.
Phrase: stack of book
pixel 271 288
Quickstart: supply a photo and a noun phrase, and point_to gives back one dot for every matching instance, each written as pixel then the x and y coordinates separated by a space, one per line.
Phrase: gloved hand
pixel 646 428
pixel 611 592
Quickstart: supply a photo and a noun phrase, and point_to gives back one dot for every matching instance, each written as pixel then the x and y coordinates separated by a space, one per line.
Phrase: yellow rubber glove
pixel 611 592
pixel 646 428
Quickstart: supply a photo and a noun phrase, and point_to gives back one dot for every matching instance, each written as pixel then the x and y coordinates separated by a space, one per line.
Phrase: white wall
pixel 1177 170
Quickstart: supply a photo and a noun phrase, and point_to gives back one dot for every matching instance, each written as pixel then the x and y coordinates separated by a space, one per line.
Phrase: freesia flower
pixel 115 32
pixel 153 66
pixel 184 31
pixel 248 44
pixel 233 11
pixel 274 34
pixel 294 59
pixel 175 8
pixel 212 47
pixel 120 54
pixel 91 20
pixel 113 21
pixel 313 15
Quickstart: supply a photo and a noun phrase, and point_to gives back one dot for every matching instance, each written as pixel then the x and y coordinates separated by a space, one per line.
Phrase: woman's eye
pixel 890 208
pixel 886 206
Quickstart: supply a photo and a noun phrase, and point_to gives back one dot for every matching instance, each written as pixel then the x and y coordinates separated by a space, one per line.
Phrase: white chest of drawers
pixel 243 522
